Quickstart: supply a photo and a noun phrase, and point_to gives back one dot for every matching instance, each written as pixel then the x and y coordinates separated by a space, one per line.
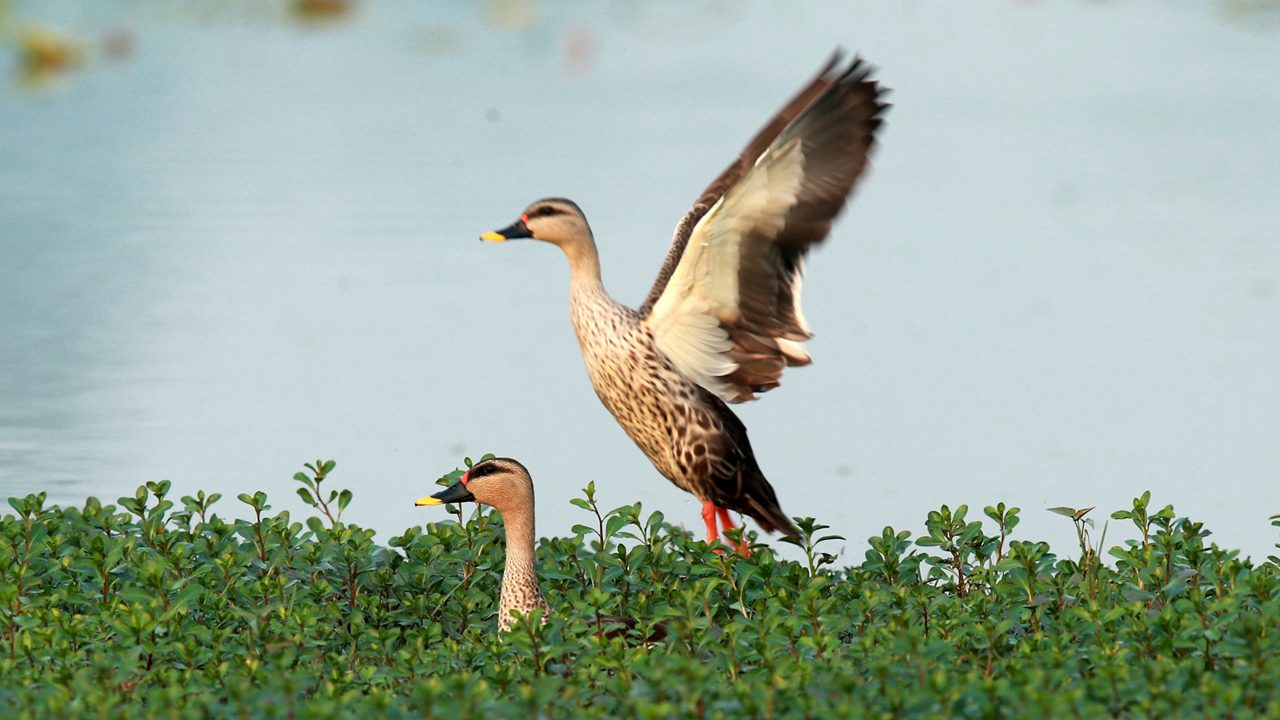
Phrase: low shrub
pixel 150 608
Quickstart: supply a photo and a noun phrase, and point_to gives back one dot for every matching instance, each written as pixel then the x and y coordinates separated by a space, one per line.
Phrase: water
pixel 250 242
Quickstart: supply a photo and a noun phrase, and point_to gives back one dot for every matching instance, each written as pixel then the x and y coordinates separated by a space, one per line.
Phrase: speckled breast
pixel 653 403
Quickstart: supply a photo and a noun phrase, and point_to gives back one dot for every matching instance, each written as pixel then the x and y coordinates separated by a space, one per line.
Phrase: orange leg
pixel 709 516
pixel 709 513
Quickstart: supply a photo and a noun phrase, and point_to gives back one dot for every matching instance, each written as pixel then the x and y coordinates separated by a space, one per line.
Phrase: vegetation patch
pixel 151 608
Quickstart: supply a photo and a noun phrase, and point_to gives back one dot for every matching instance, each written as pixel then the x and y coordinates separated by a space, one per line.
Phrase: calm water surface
pixel 244 242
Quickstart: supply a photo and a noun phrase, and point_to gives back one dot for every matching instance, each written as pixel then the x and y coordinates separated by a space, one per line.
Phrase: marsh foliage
pixel 160 608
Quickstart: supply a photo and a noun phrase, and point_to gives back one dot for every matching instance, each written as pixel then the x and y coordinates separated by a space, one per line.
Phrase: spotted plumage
pixel 723 319
pixel 519 593
pixel 689 434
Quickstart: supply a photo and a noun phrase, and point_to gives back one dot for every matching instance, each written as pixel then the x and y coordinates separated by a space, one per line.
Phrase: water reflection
pixel 321 10
pixel 47 53
pixel 1263 15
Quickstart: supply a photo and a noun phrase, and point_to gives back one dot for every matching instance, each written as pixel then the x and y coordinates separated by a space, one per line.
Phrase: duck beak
pixel 514 231
pixel 455 493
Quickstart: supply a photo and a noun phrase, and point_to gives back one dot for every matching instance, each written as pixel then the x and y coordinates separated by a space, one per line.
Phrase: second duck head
pixel 554 220
pixel 502 483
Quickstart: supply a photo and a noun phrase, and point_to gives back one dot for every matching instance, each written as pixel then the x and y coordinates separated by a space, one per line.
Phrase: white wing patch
pixel 698 347
pixel 689 320
pixel 797 281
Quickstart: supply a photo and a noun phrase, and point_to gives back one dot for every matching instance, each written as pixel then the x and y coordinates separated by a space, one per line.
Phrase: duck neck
pixel 520 576
pixel 520 555
pixel 584 265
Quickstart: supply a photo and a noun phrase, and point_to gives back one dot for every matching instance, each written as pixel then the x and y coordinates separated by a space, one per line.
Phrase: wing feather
pixel 739 167
pixel 742 266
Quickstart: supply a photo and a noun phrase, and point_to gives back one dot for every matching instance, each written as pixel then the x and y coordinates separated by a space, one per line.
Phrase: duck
pixel 723 319
pixel 506 485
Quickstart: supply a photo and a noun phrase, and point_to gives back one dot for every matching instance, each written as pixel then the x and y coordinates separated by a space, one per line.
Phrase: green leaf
pixel 1133 593
pixel 613 524
pixel 316 526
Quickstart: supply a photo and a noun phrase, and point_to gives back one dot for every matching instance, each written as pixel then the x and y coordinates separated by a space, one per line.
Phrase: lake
pixel 233 239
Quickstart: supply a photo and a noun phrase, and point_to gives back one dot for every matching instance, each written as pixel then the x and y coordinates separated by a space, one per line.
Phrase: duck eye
pixel 478 471
pixel 545 211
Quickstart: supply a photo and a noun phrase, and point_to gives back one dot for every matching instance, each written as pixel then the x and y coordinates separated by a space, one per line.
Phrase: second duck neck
pixel 519 592
pixel 521 562
pixel 520 588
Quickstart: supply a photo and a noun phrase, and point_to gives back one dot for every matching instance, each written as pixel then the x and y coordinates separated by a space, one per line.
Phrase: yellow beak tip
pixel 428 500
pixel 493 237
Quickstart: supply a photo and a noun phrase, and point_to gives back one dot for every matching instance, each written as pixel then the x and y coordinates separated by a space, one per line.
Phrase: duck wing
pixel 736 170
pixel 728 317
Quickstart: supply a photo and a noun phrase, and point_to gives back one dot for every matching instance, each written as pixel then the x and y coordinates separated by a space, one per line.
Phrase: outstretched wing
pixel 739 167
pixel 728 316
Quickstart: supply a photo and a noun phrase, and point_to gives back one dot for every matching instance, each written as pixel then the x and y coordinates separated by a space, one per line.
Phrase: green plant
pixel 310 490
pixel 1275 522
pixel 145 609
pixel 963 543
pixel 808 542
pixel 1088 552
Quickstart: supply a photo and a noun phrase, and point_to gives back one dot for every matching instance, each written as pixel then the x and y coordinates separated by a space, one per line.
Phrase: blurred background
pixel 239 235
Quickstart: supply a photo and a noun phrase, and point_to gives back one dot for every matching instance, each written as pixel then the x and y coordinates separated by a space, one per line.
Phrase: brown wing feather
pixel 837 132
pixel 739 167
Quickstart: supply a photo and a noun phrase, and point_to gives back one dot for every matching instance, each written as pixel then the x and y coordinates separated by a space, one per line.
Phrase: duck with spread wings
pixel 723 320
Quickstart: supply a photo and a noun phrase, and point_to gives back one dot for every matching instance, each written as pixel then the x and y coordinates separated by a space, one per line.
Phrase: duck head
pixel 554 220
pixel 502 483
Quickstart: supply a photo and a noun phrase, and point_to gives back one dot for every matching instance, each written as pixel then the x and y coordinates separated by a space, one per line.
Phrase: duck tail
pixel 762 506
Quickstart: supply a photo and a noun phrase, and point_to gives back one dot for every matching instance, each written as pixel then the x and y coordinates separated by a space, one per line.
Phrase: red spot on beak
pixel 524 217
pixel 466 476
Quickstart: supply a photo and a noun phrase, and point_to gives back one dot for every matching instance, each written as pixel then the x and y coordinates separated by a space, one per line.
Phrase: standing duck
pixel 723 319
pixel 506 485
